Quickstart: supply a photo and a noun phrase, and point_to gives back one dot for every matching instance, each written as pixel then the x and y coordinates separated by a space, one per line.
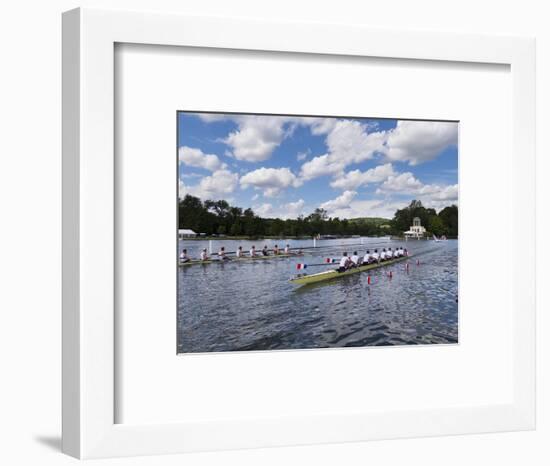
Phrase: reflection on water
pixel 252 305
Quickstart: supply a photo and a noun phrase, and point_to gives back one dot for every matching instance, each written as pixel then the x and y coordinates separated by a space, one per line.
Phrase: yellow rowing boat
pixel 332 274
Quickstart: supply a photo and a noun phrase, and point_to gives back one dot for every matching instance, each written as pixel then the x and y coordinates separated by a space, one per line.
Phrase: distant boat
pixel 437 240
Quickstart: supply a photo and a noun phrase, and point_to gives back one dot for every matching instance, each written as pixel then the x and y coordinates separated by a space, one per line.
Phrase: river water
pixel 253 306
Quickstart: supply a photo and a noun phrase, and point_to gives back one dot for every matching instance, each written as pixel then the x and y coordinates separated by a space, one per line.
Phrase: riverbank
pixel 279 238
pixel 423 238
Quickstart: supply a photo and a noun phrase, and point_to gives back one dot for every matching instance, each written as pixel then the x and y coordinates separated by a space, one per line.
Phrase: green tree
pixel 449 216
pixel 235 229
pixel 436 225
pixel 218 216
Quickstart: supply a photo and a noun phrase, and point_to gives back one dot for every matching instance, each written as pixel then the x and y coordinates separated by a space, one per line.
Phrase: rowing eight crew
pixel 222 255
pixel 355 260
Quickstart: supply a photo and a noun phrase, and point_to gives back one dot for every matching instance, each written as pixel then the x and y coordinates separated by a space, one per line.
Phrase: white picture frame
pixel 89 38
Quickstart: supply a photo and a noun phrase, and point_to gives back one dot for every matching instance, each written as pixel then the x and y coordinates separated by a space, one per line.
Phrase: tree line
pixel 443 223
pixel 220 218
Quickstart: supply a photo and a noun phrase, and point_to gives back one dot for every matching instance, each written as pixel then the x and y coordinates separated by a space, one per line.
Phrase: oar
pixel 328 261
pixel 259 251
pixel 325 246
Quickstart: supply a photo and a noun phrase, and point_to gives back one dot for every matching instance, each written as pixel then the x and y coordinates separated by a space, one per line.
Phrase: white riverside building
pixel 184 233
pixel 416 230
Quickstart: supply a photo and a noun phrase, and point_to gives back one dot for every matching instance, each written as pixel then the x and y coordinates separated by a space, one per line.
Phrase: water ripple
pixel 252 306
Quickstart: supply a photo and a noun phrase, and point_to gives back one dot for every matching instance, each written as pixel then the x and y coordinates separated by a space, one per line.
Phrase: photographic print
pixel 305 232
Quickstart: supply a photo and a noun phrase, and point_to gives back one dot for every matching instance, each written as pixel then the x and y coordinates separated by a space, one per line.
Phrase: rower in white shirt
pixel 375 256
pixel 239 253
pixel 253 251
pixel 367 258
pixel 222 255
pixel 287 249
pixel 355 259
pixel 389 254
pixel 344 263
pixel 184 257
pixel 204 255
pixel 400 251
pixel 383 255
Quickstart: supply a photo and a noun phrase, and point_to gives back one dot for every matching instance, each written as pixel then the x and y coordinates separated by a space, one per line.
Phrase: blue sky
pixel 285 166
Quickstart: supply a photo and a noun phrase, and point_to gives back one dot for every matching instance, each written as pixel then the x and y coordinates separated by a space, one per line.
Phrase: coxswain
pixel 184 257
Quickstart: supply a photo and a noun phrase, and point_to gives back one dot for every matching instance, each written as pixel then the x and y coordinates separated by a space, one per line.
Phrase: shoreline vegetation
pixel 219 220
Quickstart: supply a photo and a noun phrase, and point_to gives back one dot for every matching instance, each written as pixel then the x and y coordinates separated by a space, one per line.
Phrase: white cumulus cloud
pixel 341 202
pixel 264 210
pixel 197 158
pixel 301 156
pixel 356 178
pixel 432 195
pixel 283 211
pixel 320 166
pixel 349 142
pixel 294 209
pixel 439 197
pixel 347 206
pixel 404 183
pixel 212 117
pixel 419 141
pixel 369 208
pixel 216 186
pixel 182 189
pixel 447 193
pixel 257 137
pixel 271 180
pixel 318 125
